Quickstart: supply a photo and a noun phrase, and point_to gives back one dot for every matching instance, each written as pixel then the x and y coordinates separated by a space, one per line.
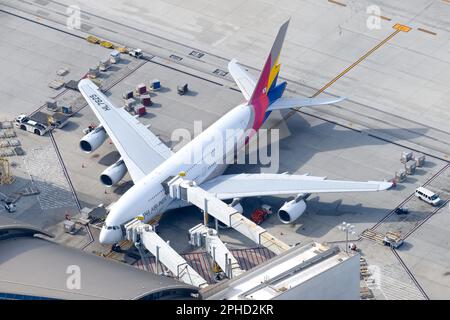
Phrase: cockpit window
pixel 111 227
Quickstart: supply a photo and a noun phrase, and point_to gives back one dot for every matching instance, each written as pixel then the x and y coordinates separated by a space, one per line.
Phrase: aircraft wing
pixel 252 185
pixel 140 149
pixel 287 103
pixel 243 79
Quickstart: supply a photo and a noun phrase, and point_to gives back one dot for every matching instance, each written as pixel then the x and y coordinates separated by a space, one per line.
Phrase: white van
pixel 428 196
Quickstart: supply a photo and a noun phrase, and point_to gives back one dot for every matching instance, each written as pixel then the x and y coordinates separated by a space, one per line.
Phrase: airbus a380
pixel 151 163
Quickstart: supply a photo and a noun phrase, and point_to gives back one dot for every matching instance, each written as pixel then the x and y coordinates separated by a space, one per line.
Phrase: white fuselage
pixel 200 159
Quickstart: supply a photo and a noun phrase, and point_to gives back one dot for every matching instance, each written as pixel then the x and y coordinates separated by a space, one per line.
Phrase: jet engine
pixel 93 139
pixel 113 174
pixel 293 209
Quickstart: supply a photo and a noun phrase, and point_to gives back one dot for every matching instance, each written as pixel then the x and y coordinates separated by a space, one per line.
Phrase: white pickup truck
pixel 137 53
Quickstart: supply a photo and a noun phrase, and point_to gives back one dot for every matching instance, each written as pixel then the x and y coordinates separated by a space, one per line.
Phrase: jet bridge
pixel 144 235
pixel 186 190
pixel 201 236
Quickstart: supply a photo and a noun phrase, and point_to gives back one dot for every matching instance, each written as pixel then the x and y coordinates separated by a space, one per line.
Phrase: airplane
pixel 151 163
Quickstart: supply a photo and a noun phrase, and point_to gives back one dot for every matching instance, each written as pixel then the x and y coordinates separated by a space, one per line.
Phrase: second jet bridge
pixel 202 236
pixel 188 191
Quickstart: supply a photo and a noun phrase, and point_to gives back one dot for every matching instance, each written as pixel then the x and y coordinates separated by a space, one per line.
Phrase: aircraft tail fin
pixel 261 97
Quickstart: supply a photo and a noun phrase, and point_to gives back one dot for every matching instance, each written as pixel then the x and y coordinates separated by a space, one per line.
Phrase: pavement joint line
pixel 338 3
pixel 410 274
pixel 437 174
pixel 379 45
pixel 431 214
pixel 369 134
pixel 78 36
pixel 427 31
pixel 94 34
pixel 65 172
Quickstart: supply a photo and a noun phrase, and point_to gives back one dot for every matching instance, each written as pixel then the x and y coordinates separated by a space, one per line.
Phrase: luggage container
pixel 128 95
pixel 406 156
pixel 52 105
pixel 410 167
pixel 129 102
pixel 420 160
pixel 66 109
pixel 146 100
pixel 141 88
pixel 93 73
pixel 155 84
pixel 140 110
pixel 400 175
pixel 104 65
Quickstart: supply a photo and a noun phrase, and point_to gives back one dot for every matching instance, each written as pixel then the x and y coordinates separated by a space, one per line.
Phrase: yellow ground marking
pixel 398 28
pixel 329 84
pixel 402 27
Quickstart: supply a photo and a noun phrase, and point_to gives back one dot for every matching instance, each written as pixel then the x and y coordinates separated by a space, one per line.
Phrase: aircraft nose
pixel 110 236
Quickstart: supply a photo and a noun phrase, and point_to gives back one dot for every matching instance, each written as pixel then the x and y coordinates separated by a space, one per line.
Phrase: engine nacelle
pixel 113 174
pixel 291 211
pixel 93 139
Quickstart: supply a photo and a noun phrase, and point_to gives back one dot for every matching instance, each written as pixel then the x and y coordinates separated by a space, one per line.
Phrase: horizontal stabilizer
pixel 287 103
pixel 243 79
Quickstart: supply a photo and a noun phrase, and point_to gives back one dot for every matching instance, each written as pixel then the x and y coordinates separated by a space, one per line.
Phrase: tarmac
pixel 397 101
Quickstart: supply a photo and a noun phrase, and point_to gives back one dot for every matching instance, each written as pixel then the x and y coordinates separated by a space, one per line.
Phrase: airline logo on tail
pixel 266 90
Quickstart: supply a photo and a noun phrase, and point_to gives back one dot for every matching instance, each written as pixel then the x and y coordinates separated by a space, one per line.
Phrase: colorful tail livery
pixel 265 95
pixel 266 90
